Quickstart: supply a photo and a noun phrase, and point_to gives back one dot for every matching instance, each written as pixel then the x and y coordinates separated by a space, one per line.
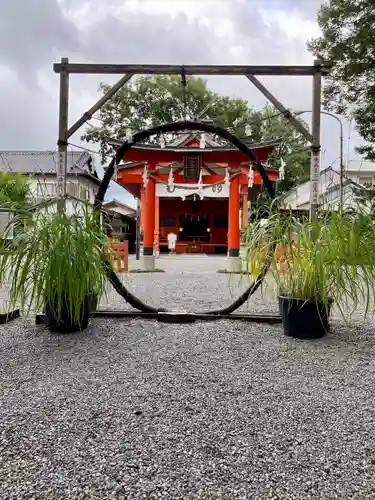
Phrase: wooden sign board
pixel 192 166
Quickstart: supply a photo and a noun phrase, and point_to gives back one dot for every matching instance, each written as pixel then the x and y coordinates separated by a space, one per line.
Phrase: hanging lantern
pixel 202 143
pixel 162 142
pixel 227 176
pixel 282 169
pixel 200 180
pixel 129 136
pixel 170 178
pixel 248 130
pixel 251 176
pixel 145 176
pixel 200 185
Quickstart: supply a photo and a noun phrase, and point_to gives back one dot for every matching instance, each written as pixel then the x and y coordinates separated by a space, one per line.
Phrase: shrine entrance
pixel 194 187
pixel 194 230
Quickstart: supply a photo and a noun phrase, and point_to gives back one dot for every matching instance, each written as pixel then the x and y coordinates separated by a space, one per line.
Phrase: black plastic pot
pixel 65 324
pixel 304 319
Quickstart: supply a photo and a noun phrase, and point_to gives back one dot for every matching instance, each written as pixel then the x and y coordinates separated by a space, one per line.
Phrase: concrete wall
pixel 46 187
pixel 360 172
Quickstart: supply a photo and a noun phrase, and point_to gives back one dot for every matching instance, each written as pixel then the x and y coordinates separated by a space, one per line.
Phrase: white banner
pixel 61 175
pixel 217 191
pixel 314 179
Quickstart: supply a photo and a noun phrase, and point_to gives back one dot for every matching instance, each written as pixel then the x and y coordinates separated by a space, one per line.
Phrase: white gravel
pixel 191 283
pixel 223 410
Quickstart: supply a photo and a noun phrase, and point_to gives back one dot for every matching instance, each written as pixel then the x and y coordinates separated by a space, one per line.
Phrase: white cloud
pixel 192 9
pixel 144 31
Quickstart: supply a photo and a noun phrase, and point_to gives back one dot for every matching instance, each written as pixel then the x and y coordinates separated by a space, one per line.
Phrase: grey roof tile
pixel 36 162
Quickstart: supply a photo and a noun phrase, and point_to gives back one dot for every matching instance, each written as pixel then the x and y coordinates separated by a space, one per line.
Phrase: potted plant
pixel 57 265
pixel 315 266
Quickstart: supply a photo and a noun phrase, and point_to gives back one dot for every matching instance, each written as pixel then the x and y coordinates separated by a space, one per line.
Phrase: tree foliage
pixel 154 100
pixel 14 190
pixel 294 149
pixel 365 197
pixel 348 41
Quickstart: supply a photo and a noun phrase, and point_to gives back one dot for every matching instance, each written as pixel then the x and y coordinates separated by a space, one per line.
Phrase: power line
pixel 84 149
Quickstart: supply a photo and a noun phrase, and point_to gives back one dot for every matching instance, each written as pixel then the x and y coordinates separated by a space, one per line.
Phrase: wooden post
pixel 125 256
pixel 62 141
pixel 234 218
pixel 110 251
pixel 245 200
pixel 315 146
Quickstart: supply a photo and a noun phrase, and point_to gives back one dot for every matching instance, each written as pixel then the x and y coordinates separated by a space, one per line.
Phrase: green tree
pixel 348 41
pixel 155 100
pixel 14 191
pixel 293 150
pixel 14 196
pixel 365 197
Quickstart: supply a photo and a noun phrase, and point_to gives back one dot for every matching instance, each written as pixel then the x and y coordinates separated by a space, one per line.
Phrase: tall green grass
pixel 58 257
pixel 332 259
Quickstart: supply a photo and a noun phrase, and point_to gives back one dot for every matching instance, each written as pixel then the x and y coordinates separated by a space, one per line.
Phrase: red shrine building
pixel 194 188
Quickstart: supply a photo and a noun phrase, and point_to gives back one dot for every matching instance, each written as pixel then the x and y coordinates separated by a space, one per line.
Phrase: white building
pixel 40 168
pixel 122 220
pixel 356 172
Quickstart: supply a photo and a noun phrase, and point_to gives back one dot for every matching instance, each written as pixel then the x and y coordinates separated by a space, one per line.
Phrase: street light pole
pixel 297 113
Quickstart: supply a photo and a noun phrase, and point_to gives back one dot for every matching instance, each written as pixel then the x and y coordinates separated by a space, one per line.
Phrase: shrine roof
pixel 171 147
pixel 187 137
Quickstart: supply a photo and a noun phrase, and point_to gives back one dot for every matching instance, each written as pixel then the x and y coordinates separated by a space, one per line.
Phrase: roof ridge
pixel 39 152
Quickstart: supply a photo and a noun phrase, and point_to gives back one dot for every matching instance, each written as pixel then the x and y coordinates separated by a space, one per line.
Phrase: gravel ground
pixel 191 283
pixel 222 410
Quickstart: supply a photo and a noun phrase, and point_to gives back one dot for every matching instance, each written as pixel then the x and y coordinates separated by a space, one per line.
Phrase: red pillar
pixel 234 218
pixel 157 224
pixel 245 199
pixel 149 218
pixel 142 221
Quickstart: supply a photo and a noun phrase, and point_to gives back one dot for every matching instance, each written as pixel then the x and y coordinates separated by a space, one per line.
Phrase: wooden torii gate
pixel 65 69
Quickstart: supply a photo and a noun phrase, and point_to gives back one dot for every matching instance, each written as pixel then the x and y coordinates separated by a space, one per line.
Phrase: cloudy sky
pixel 36 33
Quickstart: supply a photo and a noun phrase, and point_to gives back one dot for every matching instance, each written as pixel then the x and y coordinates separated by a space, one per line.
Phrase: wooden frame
pixel 65 68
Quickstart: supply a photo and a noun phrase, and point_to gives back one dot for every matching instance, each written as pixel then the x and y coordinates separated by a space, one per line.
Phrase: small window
pixel 366 181
pixel 84 193
pixel 72 189
pixel 46 189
